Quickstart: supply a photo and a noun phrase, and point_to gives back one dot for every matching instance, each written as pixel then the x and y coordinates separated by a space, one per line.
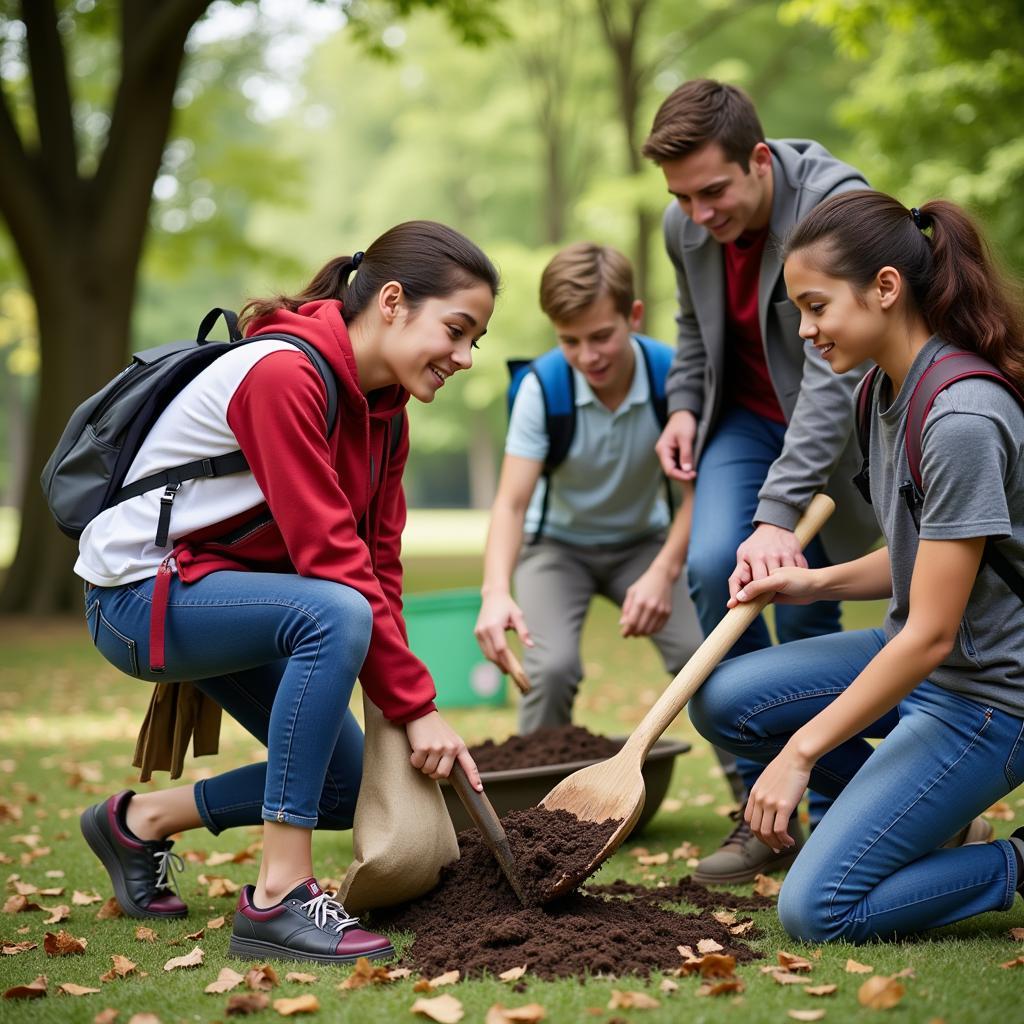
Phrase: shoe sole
pixel 101 847
pixel 254 949
pixel 740 877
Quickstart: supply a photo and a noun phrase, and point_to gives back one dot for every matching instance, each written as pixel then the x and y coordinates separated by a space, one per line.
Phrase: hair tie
pixel 357 259
pixel 922 221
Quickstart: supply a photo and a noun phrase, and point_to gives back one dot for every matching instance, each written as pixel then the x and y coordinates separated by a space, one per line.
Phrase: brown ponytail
pixel 428 259
pixel 953 280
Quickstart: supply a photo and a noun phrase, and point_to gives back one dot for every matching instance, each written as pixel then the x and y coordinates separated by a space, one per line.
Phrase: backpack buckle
pixel 163 523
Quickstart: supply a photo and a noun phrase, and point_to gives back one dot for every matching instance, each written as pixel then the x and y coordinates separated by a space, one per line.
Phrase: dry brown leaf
pixel 84 899
pixel 121 969
pixel 9 813
pixel 653 859
pixel 806 1014
pixel 709 946
pixel 196 936
pixel 792 962
pixel 69 988
pixel 111 910
pixel 531 1013
pixel 246 1002
pixel 742 928
pixel 261 978
pixel 721 988
pixel 222 887
pixel 144 934
pixel 226 981
pixel 852 967
pixel 765 886
pixel 31 840
pixel 299 978
pixel 999 811
pixel 638 851
pixel 668 986
pixel 398 972
pixel 19 905
pixel 785 978
pixel 880 993
pixel 14 948
pixel 58 914
pixel 725 917
pixel 1018 962
pixel 63 943
pixel 366 973
pixel 23 888
pixel 214 923
pixel 821 990
pixel 307 1003
pixel 107 1016
pixel 632 1001
pixel 512 974
pixel 193 959
pixel 685 852
pixel 448 978
pixel 1017 934
pixel 717 965
pixel 216 859
pixel 33 990
pixel 444 1009
pixel 55 890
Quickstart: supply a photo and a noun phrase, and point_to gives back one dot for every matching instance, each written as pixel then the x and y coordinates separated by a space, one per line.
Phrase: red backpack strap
pixel 865 403
pixel 935 379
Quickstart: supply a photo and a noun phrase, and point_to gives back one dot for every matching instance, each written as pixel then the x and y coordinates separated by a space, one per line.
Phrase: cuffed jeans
pixel 732 469
pixel 279 653
pixel 873 867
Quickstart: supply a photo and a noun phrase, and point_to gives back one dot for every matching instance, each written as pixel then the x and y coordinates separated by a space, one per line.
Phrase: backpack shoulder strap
pixel 865 409
pixel 558 390
pixel 936 378
pixel 657 360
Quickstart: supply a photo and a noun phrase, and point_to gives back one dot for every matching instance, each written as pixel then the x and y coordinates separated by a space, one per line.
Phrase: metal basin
pixel 518 788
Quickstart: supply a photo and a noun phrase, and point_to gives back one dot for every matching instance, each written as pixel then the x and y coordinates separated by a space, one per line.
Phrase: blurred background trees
pixel 292 131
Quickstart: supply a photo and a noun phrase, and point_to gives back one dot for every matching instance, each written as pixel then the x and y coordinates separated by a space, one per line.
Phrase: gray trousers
pixel 554 585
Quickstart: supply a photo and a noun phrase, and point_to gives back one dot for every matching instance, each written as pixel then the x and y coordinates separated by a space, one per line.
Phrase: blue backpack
pixel 558 388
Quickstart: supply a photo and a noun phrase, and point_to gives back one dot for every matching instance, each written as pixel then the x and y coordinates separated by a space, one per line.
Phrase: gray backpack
pixel 85 474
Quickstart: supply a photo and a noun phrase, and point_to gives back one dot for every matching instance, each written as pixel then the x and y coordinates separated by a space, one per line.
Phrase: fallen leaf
pixel 639 851
pixel 709 946
pixel 261 978
pixel 821 990
pixel 121 969
pixel 219 886
pixel 725 917
pixel 999 811
pixel 216 859
pixel 69 988
pixel 31 840
pixel 63 943
pixel 685 852
pixel 785 978
pixel 83 899
pixel 14 948
pixel 55 873
pixel 716 965
pixel 880 993
pixel 23 888
pixel 58 914
pixel 19 905
pixel 145 934
pixel 765 886
pixel 366 973
pixel 721 988
pixel 56 890
pixel 1017 933
pixel 246 1002
pixel 307 1003
pixel 214 923
pixel 193 959
pixel 531 1013
pixel 299 978
pixel 448 978
pixel 668 986
pixel 632 1001
pixel 398 972
pixel 9 813
pixel 33 990
pixel 1018 962
pixel 742 928
pixel 512 974
pixel 792 962
pixel 107 1016
pixel 226 981
pixel 907 972
pixel 110 911
pixel 852 967
pixel 444 1009
pixel 653 859
pixel 196 936
pixel 806 1014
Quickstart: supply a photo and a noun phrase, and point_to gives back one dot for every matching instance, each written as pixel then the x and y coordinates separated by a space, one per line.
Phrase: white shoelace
pixel 167 863
pixel 324 908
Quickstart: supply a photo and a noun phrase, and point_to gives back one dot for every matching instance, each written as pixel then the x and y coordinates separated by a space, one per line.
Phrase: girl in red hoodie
pixel 279 586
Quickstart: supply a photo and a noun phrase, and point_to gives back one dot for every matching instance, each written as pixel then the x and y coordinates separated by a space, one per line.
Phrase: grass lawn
pixel 67 726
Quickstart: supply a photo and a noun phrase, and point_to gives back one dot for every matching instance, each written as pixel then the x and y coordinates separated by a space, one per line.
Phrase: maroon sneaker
pixel 141 871
pixel 308 924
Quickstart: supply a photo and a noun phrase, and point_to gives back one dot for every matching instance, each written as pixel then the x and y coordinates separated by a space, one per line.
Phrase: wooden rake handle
pixel 515 670
pixel 717 645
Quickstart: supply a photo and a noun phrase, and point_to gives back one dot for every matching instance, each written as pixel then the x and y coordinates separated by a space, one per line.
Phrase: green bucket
pixel 440 626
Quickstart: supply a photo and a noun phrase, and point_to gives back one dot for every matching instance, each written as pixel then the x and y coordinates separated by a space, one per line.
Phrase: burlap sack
pixel 402 835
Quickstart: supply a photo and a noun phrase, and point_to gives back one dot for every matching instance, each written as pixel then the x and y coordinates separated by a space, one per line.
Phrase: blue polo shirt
pixel 610 488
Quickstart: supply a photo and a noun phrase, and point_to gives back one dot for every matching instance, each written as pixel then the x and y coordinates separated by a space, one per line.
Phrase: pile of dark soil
pixel 686 890
pixel 473 922
pixel 555 745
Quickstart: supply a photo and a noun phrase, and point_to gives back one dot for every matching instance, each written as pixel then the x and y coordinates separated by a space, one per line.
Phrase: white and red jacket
pixel 332 509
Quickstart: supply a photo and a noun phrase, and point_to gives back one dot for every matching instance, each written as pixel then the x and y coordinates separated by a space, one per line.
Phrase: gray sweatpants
pixel 554 585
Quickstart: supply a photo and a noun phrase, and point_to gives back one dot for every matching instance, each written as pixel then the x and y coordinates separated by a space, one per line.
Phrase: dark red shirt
pixel 747 381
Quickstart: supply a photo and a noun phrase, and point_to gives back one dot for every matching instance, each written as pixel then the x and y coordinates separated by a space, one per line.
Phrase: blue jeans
pixel 873 867
pixel 732 469
pixel 279 653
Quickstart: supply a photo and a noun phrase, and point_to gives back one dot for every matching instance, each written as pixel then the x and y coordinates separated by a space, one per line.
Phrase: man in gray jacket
pixel 757 418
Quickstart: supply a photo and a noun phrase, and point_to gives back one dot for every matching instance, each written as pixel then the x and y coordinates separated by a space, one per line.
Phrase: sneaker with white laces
pixel 742 856
pixel 308 924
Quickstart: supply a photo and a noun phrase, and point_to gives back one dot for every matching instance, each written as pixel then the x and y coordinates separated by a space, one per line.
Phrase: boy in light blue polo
pixel 607 527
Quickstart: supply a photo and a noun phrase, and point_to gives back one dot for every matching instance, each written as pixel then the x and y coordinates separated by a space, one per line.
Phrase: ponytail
pixel 951 275
pixel 429 260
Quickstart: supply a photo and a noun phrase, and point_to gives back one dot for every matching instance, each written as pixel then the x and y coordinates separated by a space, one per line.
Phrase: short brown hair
pixel 580 274
pixel 702 111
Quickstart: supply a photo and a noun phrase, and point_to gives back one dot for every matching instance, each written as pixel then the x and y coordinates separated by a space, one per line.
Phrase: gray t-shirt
pixel 973 479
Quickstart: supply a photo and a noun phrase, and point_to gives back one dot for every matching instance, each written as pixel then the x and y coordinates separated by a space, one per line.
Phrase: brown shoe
pixel 743 856
pixel 976 831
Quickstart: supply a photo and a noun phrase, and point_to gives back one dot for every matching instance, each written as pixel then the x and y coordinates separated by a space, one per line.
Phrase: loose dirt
pixel 561 744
